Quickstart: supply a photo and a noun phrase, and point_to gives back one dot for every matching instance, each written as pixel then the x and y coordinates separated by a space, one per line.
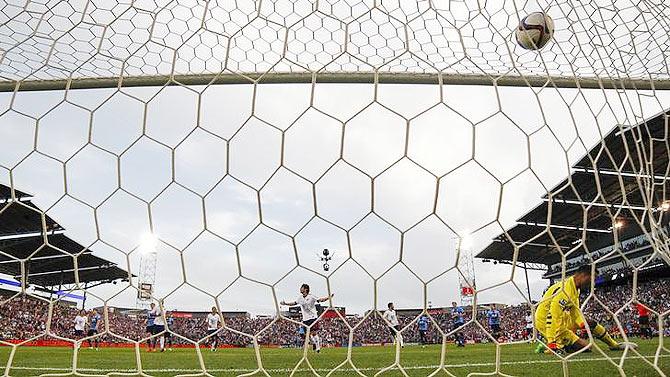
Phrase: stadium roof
pixel 54 259
pixel 622 179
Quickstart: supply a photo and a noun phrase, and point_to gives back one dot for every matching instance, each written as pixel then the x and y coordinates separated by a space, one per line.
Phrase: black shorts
pixel 78 332
pixel 456 325
pixel 92 332
pixel 210 332
pixel 155 329
pixel 644 321
pixel 495 327
pixel 311 322
pixel 394 330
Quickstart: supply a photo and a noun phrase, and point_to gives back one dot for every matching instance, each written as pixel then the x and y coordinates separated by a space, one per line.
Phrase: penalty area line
pixel 284 370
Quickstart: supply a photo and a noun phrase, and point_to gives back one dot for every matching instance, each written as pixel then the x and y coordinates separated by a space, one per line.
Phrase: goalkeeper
pixel 558 316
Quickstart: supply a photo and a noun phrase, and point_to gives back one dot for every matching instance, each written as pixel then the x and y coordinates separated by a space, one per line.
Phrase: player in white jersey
pixel 80 322
pixel 307 303
pixel 394 326
pixel 159 325
pixel 213 325
pixel 528 331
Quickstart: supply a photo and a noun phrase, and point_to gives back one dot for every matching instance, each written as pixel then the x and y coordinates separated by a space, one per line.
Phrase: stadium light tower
pixel 147 273
pixel 466 265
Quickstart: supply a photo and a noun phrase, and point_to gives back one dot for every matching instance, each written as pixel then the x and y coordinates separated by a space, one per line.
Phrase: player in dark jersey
pixel 95 320
pixel 169 319
pixel 423 329
pixel 493 316
pixel 457 322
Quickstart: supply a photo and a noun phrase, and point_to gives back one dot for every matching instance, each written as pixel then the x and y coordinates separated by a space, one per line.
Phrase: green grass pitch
pixel 517 359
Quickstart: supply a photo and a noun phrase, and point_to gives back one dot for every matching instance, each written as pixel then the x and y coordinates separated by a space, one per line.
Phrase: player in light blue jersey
pixel 95 320
pixel 493 316
pixel 457 322
pixel 423 329
pixel 151 318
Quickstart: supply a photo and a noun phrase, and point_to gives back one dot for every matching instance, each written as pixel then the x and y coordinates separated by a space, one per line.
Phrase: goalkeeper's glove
pixel 555 348
pixel 581 331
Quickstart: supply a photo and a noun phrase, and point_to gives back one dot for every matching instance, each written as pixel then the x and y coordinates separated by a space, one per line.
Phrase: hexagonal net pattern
pixel 92 44
pixel 158 129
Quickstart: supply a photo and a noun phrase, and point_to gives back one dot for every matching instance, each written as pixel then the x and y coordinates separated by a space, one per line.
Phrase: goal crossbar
pixel 336 78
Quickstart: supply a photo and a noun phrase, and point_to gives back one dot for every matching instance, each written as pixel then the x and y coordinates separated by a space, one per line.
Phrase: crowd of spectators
pixel 26 317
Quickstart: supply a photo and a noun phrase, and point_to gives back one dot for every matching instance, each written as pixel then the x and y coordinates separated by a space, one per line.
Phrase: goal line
pixel 288 370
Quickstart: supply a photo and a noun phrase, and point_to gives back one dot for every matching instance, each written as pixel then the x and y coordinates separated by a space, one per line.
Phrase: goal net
pixel 172 171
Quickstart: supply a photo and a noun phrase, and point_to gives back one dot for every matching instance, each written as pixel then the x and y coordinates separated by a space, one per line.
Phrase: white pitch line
pixel 285 370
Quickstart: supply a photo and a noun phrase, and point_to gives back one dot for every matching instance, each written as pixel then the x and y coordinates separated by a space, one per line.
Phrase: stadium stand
pixel 34 249
pixel 24 317
pixel 596 213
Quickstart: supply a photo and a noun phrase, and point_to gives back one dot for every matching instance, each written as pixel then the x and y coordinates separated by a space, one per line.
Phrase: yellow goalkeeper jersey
pixel 558 313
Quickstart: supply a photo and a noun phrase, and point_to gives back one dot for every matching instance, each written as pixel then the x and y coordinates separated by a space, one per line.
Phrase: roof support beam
pixel 71 270
pixel 564 227
pixel 595 204
pixel 623 174
pixel 531 244
pixel 29 235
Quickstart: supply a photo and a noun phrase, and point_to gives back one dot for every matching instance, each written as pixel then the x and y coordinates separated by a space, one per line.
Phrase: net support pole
pixel 525 270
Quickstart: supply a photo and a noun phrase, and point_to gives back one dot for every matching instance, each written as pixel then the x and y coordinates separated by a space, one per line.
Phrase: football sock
pixel 600 333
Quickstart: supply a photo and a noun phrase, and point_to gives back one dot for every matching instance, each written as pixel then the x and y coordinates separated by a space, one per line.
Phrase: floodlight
pixel 148 243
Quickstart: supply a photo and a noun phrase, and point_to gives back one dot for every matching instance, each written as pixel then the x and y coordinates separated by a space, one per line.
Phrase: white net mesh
pixel 147 143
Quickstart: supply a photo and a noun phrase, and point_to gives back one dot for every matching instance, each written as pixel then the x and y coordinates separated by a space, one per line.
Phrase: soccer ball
pixel 535 31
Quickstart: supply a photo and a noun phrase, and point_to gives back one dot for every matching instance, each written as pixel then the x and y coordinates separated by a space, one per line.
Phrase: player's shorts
pixel 456 325
pixel 155 329
pixel 150 329
pixel 394 330
pixel 92 332
pixel 495 327
pixel 311 322
pixel 210 332
pixel 78 332
pixel 644 321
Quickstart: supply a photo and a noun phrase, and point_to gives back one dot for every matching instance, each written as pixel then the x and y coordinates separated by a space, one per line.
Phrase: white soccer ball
pixel 535 31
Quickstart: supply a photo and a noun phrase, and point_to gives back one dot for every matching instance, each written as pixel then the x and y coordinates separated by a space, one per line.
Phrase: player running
pixel 307 303
pixel 423 329
pixel 458 320
pixel 93 329
pixel 393 324
pixel 213 324
pixel 493 316
pixel 558 316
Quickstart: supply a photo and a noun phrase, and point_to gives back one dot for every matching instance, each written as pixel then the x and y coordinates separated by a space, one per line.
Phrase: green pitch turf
pixel 516 359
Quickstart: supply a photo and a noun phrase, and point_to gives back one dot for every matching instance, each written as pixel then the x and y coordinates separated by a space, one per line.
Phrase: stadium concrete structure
pixel 612 211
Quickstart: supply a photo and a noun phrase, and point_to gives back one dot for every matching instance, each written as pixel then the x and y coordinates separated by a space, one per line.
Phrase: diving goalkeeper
pixel 558 316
